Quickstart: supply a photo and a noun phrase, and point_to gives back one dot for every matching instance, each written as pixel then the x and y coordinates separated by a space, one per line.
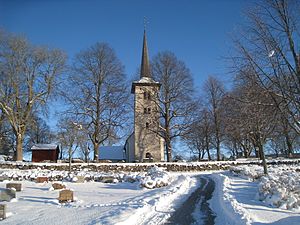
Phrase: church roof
pixel 145 73
pixel 112 152
pixel 145 66
pixel 44 147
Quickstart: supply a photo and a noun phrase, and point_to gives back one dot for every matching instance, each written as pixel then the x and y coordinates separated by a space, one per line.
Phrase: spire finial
pixel 145 23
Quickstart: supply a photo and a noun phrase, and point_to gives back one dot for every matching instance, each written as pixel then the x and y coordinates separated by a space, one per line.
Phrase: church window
pixel 147 110
pixel 147 95
pixel 147 125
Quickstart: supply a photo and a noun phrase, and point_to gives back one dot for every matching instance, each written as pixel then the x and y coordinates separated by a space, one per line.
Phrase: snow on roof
pixel 111 152
pixel 146 80
pixel 44 147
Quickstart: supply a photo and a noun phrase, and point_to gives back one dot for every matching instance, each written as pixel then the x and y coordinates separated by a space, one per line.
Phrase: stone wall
pixel 139 167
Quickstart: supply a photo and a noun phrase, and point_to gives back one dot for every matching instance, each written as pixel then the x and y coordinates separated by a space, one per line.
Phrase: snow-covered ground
pixel 241 196
pixel 101 203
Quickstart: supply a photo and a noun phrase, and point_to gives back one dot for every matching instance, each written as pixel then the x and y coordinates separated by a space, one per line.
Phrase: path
pixel 196 203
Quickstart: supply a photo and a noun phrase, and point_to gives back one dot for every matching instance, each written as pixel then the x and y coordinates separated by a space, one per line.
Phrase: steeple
pixel 145 66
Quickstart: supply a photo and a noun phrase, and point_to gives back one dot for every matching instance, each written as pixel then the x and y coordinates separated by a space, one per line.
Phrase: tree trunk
pixel 262 156
pixel 288 144
pixel 208 154
pixel 61 153
pixel 70 159
pixel 207 148
pixel 169 150
pixel 96 151
pixel 19 147
pixel 167 135
pixel 218 149
pixel 85 157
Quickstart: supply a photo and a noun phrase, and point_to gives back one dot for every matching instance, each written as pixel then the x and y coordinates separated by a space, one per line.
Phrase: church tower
pixel 148 145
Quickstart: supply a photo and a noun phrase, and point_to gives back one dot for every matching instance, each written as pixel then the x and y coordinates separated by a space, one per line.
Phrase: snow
pixel 146 80
pixel 237 198
pixel 242 196
pixel 280 188
pixel 44 147
pixel 156 177
pixel 98 203
pixel 2 158
pixel 271 53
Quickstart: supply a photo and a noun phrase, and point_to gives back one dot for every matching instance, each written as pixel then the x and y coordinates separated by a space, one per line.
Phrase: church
pixel 144 144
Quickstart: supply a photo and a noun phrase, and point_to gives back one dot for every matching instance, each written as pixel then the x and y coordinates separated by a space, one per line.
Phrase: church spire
pixel 145 66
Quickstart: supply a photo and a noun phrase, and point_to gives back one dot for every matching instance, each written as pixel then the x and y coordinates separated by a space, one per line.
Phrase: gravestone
pixel 7 194
pixel 65 196
pixel 2 211
pixel 42 179
pixel 57 186
pixel 16 186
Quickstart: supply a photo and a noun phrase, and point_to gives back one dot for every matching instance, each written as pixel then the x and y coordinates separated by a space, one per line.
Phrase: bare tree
pixel 6 140
pixel 38 131
pixel 27 77
pixel 199 136
pixel 85 149
pixel 256 114
pixel 175 97
pixel 268 47
pixel 70 134
pixel 236 133
pixel 215 91
pixel 97 93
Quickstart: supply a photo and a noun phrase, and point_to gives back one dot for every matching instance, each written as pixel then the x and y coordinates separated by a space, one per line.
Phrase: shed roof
pixel 111 152
pixel 44 147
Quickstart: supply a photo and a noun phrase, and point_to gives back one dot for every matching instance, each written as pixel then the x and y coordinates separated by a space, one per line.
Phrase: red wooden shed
pixel 45 152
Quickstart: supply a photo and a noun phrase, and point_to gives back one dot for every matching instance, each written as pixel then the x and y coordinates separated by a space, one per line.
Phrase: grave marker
pixel 57 186
pixel 16 186
pixel 7 194
pixel 42 179
pixel 65 196
pixel 2 211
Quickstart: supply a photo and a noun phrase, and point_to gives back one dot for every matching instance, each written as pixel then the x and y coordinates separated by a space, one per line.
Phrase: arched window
pixel 147 95
pixel 148 155
pixel 147 125
pixel 147 110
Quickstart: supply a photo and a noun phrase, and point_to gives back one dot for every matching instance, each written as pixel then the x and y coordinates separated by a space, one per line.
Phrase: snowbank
pixel 280 188
pixel 229 211
pixel 156 177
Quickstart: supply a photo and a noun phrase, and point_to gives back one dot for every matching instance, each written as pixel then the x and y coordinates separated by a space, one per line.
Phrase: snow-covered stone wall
pixel 138 167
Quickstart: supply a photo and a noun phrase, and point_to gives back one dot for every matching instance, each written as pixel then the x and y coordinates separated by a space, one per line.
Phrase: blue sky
pixel 197 31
